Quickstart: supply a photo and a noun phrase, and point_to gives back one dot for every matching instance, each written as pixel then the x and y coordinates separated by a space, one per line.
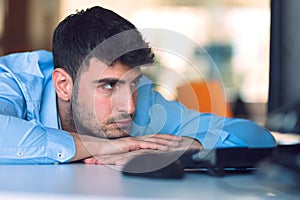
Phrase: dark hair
pixel 77 36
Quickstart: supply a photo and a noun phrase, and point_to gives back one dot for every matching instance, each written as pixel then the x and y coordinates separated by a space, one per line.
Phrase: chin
pixel 117 134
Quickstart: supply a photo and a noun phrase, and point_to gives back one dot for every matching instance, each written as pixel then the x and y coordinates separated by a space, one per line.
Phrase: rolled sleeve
pixel 28 142
pixel 61 146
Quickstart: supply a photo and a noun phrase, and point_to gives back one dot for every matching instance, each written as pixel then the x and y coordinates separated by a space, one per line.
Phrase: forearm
pixel 156 114
pixel 81 151
pixel 28 142
pixel 87 146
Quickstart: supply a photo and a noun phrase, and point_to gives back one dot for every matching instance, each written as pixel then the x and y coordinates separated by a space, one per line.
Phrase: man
pixel 95 105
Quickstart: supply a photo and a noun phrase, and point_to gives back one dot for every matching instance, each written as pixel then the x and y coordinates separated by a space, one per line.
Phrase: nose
pixel 125 100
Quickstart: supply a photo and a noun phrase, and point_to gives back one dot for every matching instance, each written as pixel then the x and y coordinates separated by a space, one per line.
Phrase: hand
pixel 188 143
pixel 87 146
pixel 122 158
pixel 117 159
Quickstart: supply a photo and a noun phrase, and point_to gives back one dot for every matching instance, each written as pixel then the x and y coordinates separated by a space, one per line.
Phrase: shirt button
pixel 20 153
pixel 60 155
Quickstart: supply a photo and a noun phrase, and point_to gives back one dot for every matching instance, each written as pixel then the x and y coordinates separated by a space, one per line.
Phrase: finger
pixel 166 137
pixel 90 161
pixel 95 160
pixel 109 160
pixel 122 159
pixel 121 162
pixel 133 143
pixel 148 145
pixel 100 162
pixel 128 144
pixel 163 141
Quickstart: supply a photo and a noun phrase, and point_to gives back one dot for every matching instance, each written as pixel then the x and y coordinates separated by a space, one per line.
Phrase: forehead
pixel 99 70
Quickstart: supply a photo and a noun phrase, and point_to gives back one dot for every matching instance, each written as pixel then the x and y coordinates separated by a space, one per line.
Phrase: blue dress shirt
pixel 30 131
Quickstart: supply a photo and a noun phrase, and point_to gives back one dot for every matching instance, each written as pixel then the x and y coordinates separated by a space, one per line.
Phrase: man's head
pixel 79 34
pixel 97 55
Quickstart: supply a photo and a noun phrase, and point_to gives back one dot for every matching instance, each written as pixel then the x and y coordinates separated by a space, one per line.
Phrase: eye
pixel 108 86
pixel 134 84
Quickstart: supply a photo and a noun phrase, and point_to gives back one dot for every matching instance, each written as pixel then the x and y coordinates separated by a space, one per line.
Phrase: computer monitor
pixel 284 85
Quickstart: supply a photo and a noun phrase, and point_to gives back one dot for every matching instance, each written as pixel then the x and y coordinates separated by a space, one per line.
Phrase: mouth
pixel 125 123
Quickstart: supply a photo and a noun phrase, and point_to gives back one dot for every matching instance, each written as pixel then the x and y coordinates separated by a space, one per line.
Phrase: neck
pixel 65 114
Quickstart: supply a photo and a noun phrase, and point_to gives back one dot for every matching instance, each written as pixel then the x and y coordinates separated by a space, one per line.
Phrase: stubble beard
pixel 86 123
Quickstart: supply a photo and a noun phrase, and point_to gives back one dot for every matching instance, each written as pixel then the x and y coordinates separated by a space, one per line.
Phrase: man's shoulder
pixel 30 71
pixel 27 62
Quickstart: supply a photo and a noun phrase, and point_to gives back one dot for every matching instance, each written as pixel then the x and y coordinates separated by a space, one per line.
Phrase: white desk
pixel 79 181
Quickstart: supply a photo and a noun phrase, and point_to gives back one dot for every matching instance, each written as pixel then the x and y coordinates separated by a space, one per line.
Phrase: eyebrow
pixel 115 80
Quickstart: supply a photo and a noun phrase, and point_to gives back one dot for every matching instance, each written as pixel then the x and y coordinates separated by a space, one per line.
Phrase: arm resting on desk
pixel 161 116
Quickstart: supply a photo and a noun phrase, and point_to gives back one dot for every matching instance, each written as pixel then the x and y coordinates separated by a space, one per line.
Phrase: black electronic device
pixel 156 165
pixel 282 170
pixel 284 90
pixel 220 160
pixel 216 162
pixel 285 119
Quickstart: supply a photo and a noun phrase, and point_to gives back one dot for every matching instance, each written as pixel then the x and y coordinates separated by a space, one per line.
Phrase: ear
pixel 63 84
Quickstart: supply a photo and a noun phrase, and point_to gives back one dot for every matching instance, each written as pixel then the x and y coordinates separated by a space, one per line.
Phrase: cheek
pixel 102 108
pixel 85 95
pixel 135 96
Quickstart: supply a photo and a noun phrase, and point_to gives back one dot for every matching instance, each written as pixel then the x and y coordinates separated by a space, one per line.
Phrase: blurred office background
pixel 235 33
